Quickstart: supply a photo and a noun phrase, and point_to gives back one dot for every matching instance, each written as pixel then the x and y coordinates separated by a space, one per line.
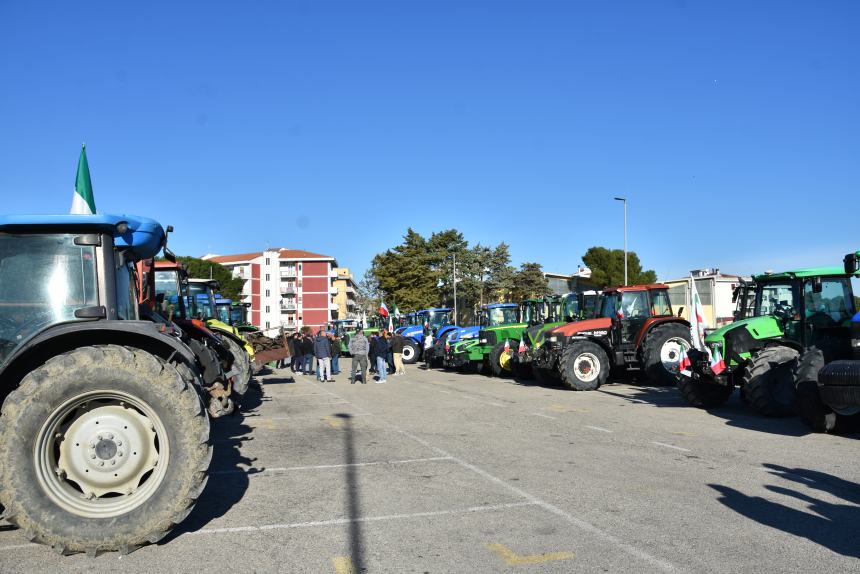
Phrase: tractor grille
pixel 490 336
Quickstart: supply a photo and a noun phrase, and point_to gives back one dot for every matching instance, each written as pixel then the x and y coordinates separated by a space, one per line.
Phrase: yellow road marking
pixel 565 409
pixel 511 558
pixel 333 422
pixel 344 565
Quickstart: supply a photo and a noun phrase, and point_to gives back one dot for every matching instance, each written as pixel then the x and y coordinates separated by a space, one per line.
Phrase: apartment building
pixel 345 296
pixel 288 288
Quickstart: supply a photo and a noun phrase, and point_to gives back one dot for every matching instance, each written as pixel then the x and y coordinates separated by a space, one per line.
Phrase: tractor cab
pixel 631 308
pixel 340 327
pixel 204 291
pixel 172 292
pixel 497 314
pixel 533 311
pixel 223 307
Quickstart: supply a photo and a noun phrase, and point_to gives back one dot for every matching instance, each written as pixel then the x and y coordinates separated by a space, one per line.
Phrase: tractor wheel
pixel 242 363
pixel 410 353
pixel 104 448
pixel 812 410
pixel 661 352
pixel 769 381
pixel 704 395
pixel 500 361
pixel 584 366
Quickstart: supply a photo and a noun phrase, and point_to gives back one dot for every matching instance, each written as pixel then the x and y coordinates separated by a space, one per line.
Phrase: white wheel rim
pixel 408 353
pixel 670 353
pixel 587 367
pixel 101 454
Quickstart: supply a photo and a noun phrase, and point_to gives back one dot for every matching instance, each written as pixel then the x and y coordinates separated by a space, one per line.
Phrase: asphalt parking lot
pixel 437 471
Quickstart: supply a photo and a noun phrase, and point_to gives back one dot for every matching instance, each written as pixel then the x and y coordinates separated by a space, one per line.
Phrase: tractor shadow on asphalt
pixel 828 524
pixel 229 470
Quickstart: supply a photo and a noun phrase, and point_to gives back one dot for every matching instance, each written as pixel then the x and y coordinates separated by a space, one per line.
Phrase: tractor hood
pixel 464 333
pixel 414 331
pixel 569 329
pixel 765 327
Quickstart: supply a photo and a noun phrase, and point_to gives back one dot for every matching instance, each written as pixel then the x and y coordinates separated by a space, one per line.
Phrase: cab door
pixel 633 313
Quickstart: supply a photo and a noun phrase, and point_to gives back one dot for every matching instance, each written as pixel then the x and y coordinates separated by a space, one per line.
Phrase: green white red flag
pixel 83 202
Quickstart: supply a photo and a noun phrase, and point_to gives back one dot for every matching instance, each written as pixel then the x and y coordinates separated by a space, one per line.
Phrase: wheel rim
pixel 408 353
pixel 670 353
pixel 101 454
pixel 505 360
pixel 587 367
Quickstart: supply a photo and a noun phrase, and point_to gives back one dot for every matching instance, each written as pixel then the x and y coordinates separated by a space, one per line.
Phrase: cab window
pixel 634 304
pixel 834 301
pixel 660 305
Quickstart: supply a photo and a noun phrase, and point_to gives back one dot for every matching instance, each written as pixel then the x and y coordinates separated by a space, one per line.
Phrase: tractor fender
pixel 64 337
pixel 649 325
pixel 783 342
pixel 603 340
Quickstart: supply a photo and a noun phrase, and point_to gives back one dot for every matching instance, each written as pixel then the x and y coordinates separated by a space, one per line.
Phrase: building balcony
pixel 333 306
pixel 350 304
pixel 288 306
pixel 288 272
pixel 288 290
pixel 350 290
pixel 333 290
pixel 332 273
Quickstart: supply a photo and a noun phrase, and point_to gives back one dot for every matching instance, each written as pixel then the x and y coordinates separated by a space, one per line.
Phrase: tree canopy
pixel 607 267
pixel 419 273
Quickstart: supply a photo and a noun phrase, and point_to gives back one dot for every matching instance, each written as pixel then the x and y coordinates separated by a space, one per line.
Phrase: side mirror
pixel 852 264
pixel 816 284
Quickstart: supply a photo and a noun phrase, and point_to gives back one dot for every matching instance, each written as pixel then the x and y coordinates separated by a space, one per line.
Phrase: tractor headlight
pixel 552 339
pixel 483 341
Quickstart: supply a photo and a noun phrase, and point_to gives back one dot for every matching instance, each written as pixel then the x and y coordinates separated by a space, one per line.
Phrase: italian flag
pixel 522 348
pixel 697 318
pixel 83 202
pixel 718 365
pixel 383 310
pixel 684 363
pixel 507 346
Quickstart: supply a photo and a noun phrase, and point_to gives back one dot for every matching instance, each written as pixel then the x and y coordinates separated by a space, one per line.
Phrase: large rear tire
pixel 584 366
pixel 769 381
pixel 661 352
pixel 500 361
pixel 104 448
pixel 410 353
pixel 242 363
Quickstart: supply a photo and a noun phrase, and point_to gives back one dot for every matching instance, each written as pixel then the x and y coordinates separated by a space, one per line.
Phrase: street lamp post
pixel 624 199
pixel 455 288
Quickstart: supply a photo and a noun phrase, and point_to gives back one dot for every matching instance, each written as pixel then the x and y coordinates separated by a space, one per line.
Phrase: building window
pixel 267 293
pixel 267 276
pixel 267 309
pixel 267 324
pixel 268 261
pixel 300 266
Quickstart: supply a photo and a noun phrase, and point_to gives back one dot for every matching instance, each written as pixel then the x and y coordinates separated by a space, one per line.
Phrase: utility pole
pixel 624 199
pixel 455 288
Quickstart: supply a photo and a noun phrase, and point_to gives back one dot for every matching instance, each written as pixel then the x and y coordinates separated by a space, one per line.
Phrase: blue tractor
pixel 104 441
pixel 435 322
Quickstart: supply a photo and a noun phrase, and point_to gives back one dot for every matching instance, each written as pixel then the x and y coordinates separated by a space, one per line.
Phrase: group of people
pixel 324 347
pixel 383 351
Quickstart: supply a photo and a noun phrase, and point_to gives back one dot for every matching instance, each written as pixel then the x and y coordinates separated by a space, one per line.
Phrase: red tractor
pixel 635 329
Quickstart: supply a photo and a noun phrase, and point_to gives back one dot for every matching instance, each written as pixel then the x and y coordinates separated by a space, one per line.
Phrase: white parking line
pixel 578 522
pixel 339 521
pixel 325 466
pixel 543 415
pixel 601 429
pixel 670 446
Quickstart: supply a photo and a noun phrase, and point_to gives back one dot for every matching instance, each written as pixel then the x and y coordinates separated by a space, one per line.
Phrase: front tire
pixel 410 353
pixel 121 450
pixel 500 361
pixel 584 366
pixel 661 352
pixel 768 381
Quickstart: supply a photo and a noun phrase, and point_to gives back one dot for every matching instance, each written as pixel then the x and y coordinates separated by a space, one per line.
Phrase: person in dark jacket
pixel 371 356
pixel 381 348
pixel 307 346
pixel 335 354
pixel 322 351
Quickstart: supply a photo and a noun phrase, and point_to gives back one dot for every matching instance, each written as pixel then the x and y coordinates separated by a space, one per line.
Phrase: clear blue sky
pixel 733 127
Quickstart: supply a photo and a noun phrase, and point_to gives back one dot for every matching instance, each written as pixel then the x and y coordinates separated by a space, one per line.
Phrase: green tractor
pixel 785 315
pixel 562 309
pixel 491 349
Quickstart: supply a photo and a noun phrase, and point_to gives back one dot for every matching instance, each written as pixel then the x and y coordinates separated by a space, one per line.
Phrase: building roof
pixel 283 253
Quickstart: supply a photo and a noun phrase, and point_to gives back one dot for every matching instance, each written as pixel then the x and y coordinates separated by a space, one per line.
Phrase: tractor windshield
pixel 570 309
pixel 175 295
pixel 224 314
pixel 533 312
pixel 202 293
pixel 500 316
pixel 237 315
pixel 44 279
pixel 833 305
pixel 781 298
pixel 439 319
pixel 660 305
